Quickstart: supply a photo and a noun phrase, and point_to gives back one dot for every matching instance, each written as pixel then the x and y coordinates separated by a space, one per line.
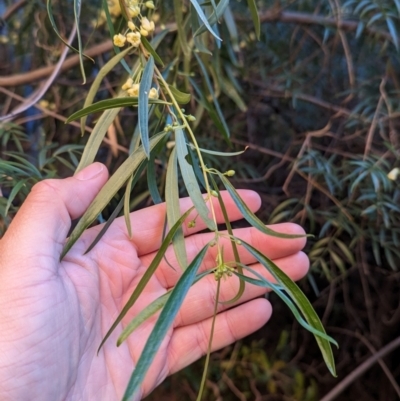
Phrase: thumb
pixel 43 221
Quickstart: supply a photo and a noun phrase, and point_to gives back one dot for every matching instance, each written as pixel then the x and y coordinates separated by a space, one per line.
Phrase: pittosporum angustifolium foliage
pixel 159 87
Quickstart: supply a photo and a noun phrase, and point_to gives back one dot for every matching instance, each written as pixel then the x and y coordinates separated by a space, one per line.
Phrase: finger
pixel 200 300
pixel 43 221
pixel 148 224
pixel 272 247
pixel 189 343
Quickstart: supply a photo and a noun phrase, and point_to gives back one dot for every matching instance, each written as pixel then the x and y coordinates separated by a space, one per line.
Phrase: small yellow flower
pixel 119 40
pixel 134 90
pixel 131 26
pixel 153 94
pixel 128 84
pixel 134 11
pixel 148 25
pixel 394 174
pixel 149 4
pixel 133 38
pixel 143 32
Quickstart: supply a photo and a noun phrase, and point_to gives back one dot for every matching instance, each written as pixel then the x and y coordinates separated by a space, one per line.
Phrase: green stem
pixel 203 379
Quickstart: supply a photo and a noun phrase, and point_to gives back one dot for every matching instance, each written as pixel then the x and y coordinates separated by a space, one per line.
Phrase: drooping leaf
pixel 143 111
pixel 180 97
pixel 249 215
pixel 97 81
pixel 146 276
pixel 301 301
pixel 119 178
pixel 106 104
pixel 147 45
pixel 214 17
pixel 190 180
pixel 202 16
pixel 255 17
pixel 173 209
pixel 150 310
pixel 164 322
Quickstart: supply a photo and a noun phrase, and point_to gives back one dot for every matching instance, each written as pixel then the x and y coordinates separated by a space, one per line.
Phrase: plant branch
pixel 355 374
pixel 310 19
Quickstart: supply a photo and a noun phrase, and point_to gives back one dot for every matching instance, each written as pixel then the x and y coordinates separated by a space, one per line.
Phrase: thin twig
pixel 38 94
pixel 310 19
pixel 355 374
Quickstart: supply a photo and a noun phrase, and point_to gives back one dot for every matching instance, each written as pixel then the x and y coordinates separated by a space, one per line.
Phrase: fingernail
pixel 90 172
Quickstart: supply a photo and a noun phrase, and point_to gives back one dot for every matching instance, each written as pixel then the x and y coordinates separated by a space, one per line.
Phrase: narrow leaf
pixel 254 15
pixel 190 180
pixel 214 17
pixel 173 209
pixel 143 111
pixel 127 168
pixel 202 16
pixel 97 81
pixel 110 104
pixel 147 45
pixel 301 301
pixel 146 276
pixel 249 215
pixel 180 97
pixel 164 322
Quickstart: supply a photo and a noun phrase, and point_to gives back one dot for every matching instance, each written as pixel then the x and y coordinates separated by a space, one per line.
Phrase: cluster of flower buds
pixel 132 89
pixel 133 37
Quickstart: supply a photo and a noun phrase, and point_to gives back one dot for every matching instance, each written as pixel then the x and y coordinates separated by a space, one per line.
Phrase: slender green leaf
pixel 97 81
pixel 225 131
pixel 214 152
pixel 301 301
pixel 147 275
pixel 116 102
pixel 143 111
pixel 180 97
pixel 393 32
pixel 77 14
pixel 249 215
pixel 54 26
pixel 143 315
pixel 199 40
pixel 214 17
pixel 150 310
pixel 173 209
pixel 14 193
pixel 164 322
pixel 189 178
pixel 96 138
pixel 261 282
pixel 233 243
pixel 147 45
pixel 127 168
pixel 254 15
pixel 202 16
pixel 116 211
pixel 127 198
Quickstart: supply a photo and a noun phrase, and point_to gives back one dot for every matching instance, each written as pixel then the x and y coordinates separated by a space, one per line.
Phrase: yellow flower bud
pixel 119 40
pixel 134 90
pixel 230 173
pixel 131 26
pixel 128 84
pixel 393 174
pixel 149 4
pixel 134 11
pixel 147 25
pixel 133 38
pixel 153 94
pixel 143 32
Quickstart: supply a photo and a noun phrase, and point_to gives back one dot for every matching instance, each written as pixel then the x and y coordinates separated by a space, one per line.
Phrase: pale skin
pixel 53 315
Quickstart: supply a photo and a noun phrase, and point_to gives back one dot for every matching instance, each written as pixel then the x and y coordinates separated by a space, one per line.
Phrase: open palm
pixel 53 315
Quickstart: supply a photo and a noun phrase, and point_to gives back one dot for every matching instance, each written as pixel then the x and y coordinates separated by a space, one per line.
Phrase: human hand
pixel 53 315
